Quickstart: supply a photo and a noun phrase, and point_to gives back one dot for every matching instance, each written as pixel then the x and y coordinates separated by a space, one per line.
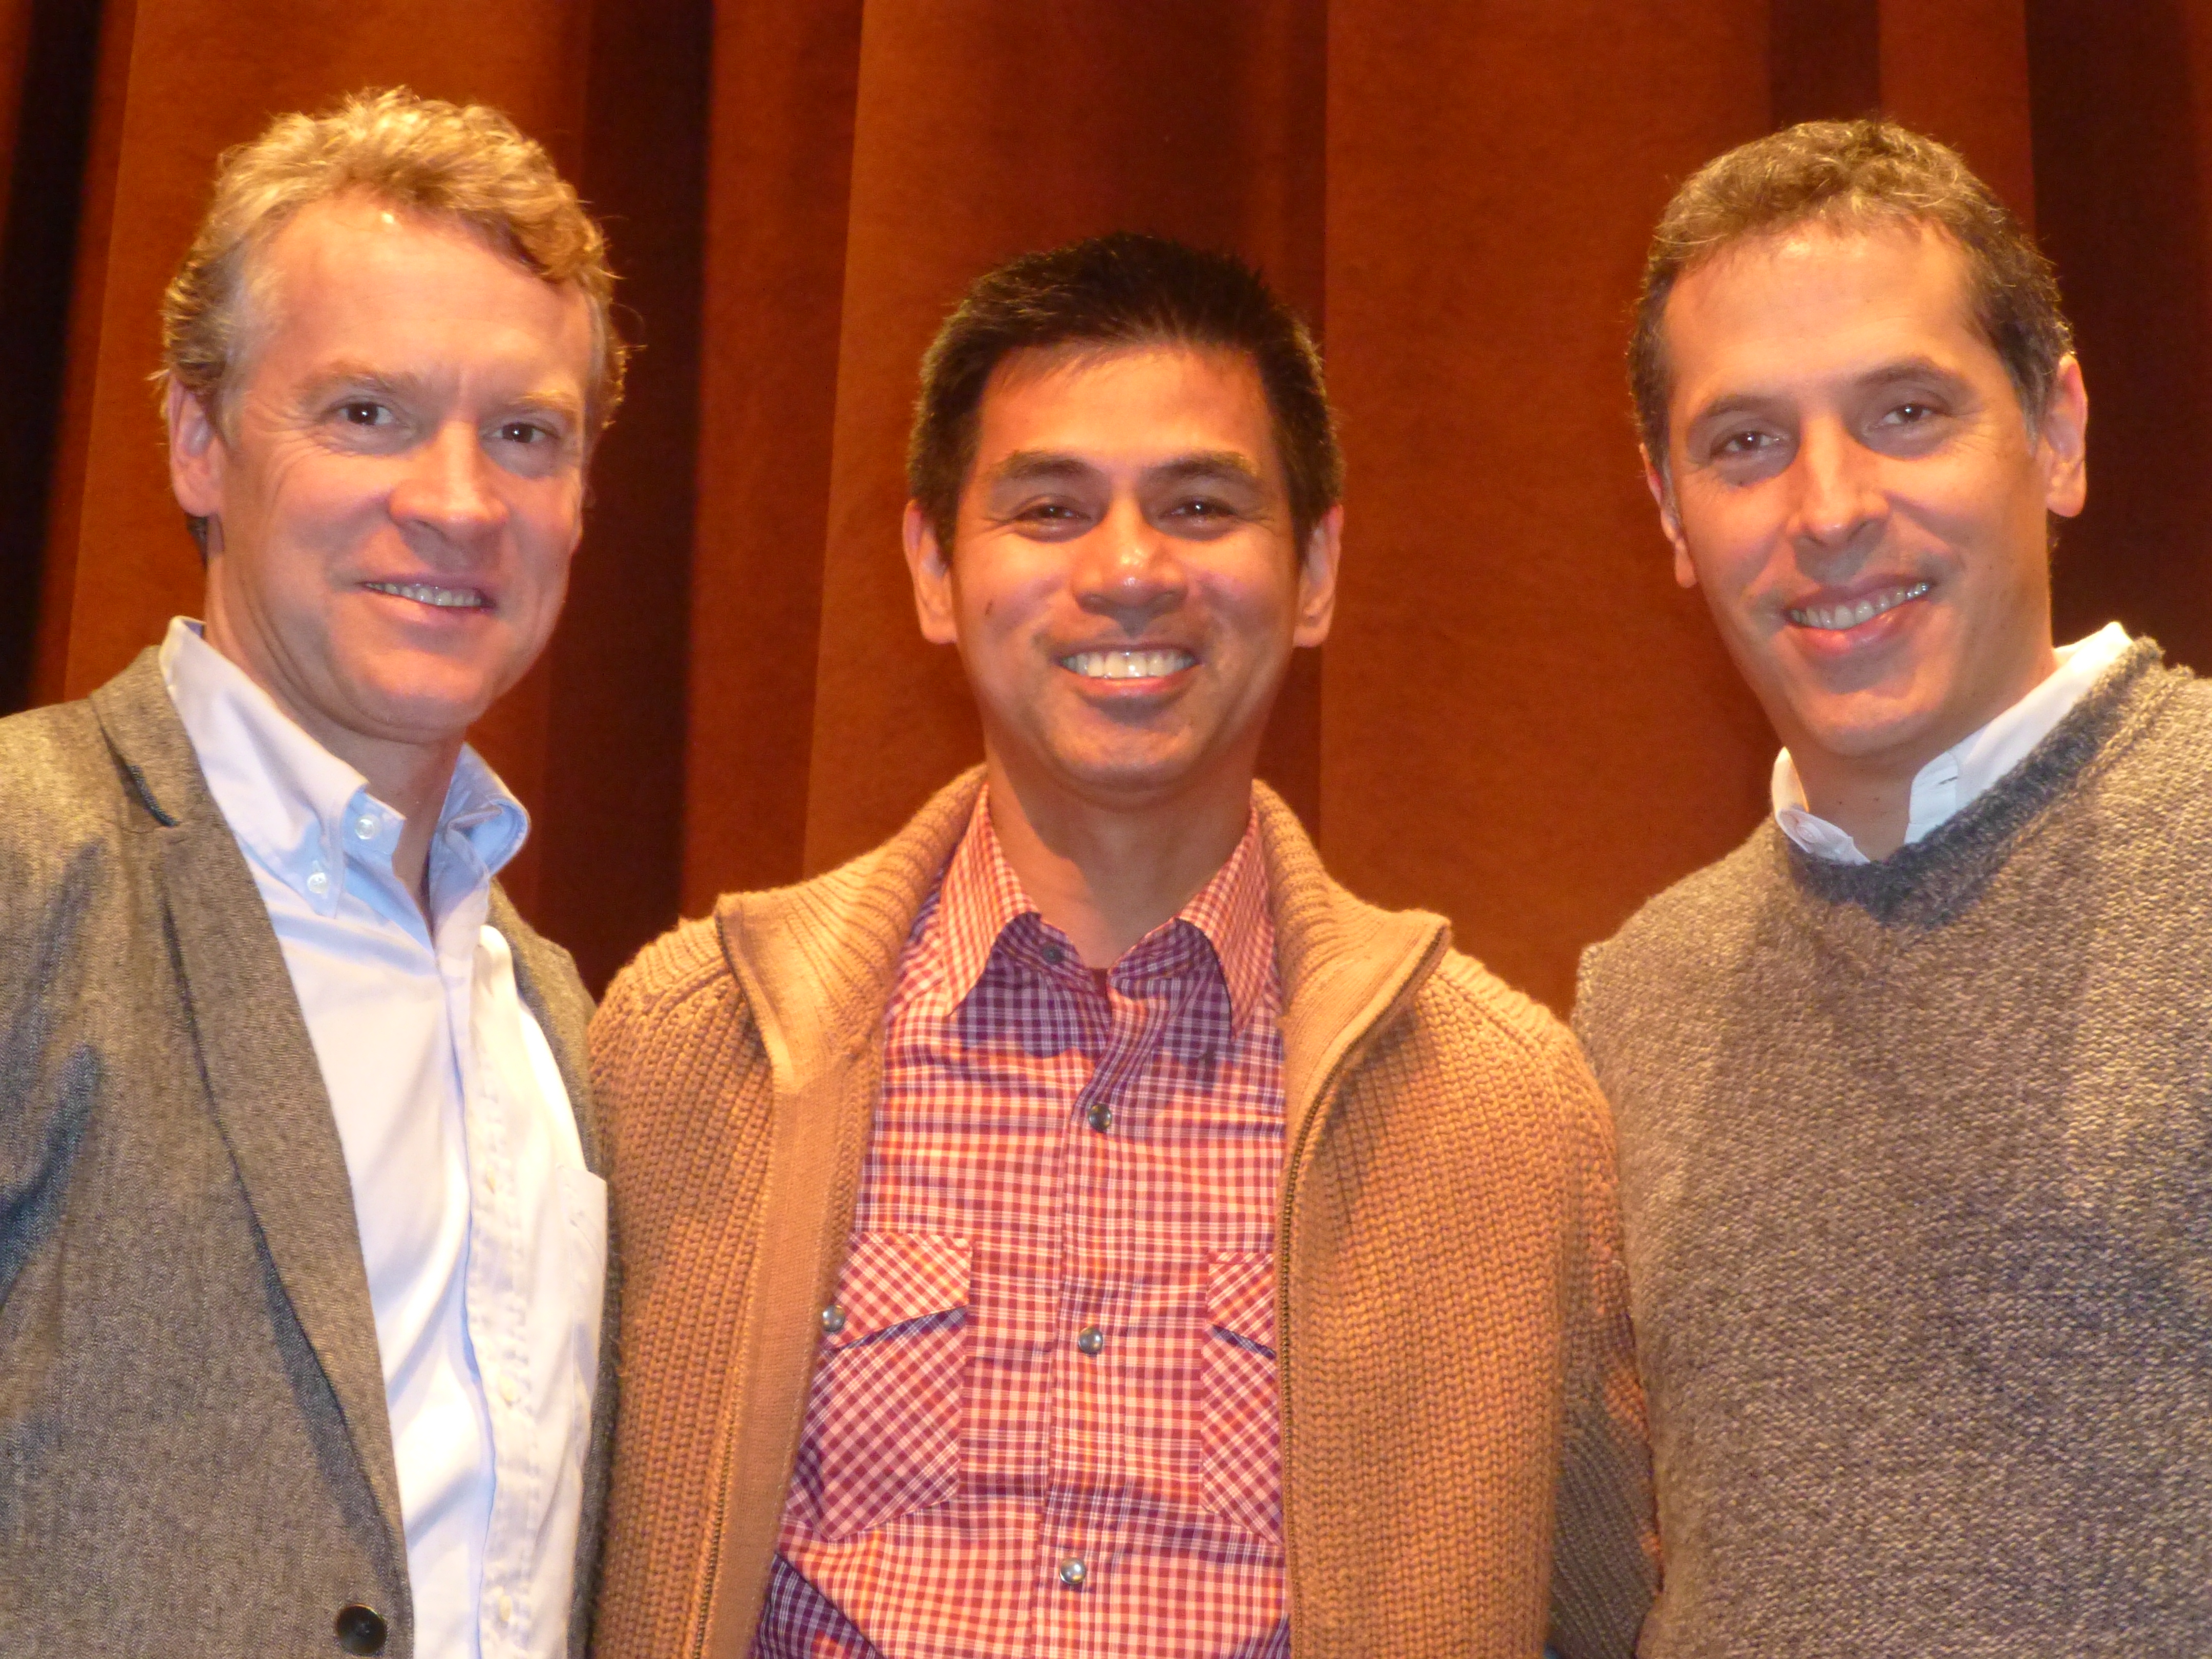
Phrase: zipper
pixel 706 1615
pixel 857 1056
pixel 1292 1167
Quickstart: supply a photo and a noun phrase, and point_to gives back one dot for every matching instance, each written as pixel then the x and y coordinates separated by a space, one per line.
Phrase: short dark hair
pixel 1121 289
pixel 1851 173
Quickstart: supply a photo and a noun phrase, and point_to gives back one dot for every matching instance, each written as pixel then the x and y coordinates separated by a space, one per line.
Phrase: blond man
pixel 303 1267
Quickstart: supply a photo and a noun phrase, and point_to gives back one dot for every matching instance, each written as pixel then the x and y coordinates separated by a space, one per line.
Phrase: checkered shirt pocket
pixel 1240 1471
pixel 883 1424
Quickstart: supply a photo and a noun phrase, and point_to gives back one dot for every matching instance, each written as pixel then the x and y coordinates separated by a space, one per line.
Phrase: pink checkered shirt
pixel 1044 1422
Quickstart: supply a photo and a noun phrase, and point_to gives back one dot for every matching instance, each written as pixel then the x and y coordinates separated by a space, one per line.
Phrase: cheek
pixel 1735 543
pixel 1002 598
pixel 1255 599
pixel 548 532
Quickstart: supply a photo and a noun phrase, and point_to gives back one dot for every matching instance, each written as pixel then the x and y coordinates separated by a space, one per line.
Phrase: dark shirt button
pixel 1073 1573
pixel 1091 1339
pixel 833 1319
pixel 1055 955
pixel 360 1630
pixel 1101 1118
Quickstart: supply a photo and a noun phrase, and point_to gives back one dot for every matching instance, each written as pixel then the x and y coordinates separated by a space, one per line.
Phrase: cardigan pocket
pixel 1240 1468
pixel 883 1421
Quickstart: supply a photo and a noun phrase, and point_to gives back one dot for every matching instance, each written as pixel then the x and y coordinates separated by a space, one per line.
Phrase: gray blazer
pixel 195 1455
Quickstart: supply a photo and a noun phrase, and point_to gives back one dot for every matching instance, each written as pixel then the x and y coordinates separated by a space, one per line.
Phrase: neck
pixel 1108 875
pixel 413 784
pixel 1869 796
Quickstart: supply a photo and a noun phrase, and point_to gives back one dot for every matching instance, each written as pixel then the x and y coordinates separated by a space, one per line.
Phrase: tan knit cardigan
pixel 1464 1462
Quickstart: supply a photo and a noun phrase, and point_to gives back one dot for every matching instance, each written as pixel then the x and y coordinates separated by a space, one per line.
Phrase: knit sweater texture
pixel 1916 1184
pixel 1463 1435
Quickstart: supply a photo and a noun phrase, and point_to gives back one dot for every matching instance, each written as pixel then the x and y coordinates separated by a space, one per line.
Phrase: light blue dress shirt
pixel 484 1235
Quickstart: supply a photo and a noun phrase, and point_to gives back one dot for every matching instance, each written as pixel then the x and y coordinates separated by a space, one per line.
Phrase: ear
pixel 1670 520
pixel 1317 562
pixel 2061 439
pixel 930 564
pixel 197 456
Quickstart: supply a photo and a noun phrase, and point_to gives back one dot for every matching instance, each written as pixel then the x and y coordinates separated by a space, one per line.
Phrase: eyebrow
pixel 1045 466
pixel 1208 464
pixel 1916 367
pixel 1038 466
pixel 345 376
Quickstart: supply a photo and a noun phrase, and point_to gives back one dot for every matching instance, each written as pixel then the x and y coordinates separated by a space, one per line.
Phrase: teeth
pixel 451 598
pixel 1128 665
pixel 1835 618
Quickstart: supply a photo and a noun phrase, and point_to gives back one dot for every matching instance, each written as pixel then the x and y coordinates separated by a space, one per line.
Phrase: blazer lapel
pixel 259 1065
pixel 546 981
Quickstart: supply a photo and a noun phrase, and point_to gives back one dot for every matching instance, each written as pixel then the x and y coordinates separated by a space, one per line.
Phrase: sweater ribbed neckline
pixel 1926 884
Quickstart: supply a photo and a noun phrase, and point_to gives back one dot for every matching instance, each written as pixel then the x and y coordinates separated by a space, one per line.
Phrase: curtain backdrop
pixel 1520 721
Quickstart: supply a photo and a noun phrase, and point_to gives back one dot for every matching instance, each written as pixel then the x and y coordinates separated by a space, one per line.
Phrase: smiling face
pixel 1125 586
pixel 1852 483
pixel 399 488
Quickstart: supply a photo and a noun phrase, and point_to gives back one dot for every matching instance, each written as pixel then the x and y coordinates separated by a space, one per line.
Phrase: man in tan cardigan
pixel 1080 1226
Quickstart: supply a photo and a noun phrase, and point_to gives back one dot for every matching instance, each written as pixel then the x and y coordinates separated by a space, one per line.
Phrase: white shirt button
pixel 506 1605
pixel 365 826
pixel 318 881
pixel 508 1390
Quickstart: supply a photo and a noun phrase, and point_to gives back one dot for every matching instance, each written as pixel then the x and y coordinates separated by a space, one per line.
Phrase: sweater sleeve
pixel 1605 1558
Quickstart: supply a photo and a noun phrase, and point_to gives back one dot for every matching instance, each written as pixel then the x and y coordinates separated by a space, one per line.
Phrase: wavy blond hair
pixel 463 163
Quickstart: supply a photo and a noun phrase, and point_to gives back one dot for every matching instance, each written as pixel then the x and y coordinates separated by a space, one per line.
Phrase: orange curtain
pixel 1520 721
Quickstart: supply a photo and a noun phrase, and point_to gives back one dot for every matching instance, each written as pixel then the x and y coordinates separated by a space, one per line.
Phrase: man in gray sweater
pixel 1914 1088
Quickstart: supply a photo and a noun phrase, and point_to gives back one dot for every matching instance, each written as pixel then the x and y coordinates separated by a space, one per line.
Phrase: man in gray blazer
pixel 305 1309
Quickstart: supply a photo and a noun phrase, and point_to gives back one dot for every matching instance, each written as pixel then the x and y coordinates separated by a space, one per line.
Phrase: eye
pixel 1049 515
pixel 1749 441
pixel 526 432
pixel 1910 414
pixel 365 412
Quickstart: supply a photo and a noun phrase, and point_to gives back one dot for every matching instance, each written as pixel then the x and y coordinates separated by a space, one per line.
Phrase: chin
pixel 1121 775
pixel 1865 728
pixel 427 707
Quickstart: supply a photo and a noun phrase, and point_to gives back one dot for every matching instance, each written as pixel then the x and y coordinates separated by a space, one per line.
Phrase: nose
pixel 447 487
pixel 1129 570
pixel 1839 493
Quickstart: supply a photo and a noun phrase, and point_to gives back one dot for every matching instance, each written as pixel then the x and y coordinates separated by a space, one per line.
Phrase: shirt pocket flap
pixel 1240 1298
pixel 894 1278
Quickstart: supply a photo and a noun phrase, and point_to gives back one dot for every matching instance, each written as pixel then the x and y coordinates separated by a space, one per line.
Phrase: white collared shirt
pixel 484 1235
pixel 1950 783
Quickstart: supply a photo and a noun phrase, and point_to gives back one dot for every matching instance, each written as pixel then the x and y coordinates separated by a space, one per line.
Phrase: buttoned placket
pixel 493 1280
pixel 1123 1024
pixel 496 1280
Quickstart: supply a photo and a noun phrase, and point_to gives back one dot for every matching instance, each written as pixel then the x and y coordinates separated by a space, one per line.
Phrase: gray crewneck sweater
pixel 1916 1166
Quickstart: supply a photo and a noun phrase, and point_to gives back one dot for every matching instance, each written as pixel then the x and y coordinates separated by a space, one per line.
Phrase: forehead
pixel 1815 303
pixel 360 278
pixel 1121 405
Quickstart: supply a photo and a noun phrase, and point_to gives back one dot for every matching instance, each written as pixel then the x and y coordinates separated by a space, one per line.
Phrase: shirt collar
pixel 303 813
pixel 982 899
pixel 1951 782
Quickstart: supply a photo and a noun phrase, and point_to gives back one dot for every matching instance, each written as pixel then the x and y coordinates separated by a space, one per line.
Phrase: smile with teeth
pixel 1836 617
pixel 445 598
pixel 1128 665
